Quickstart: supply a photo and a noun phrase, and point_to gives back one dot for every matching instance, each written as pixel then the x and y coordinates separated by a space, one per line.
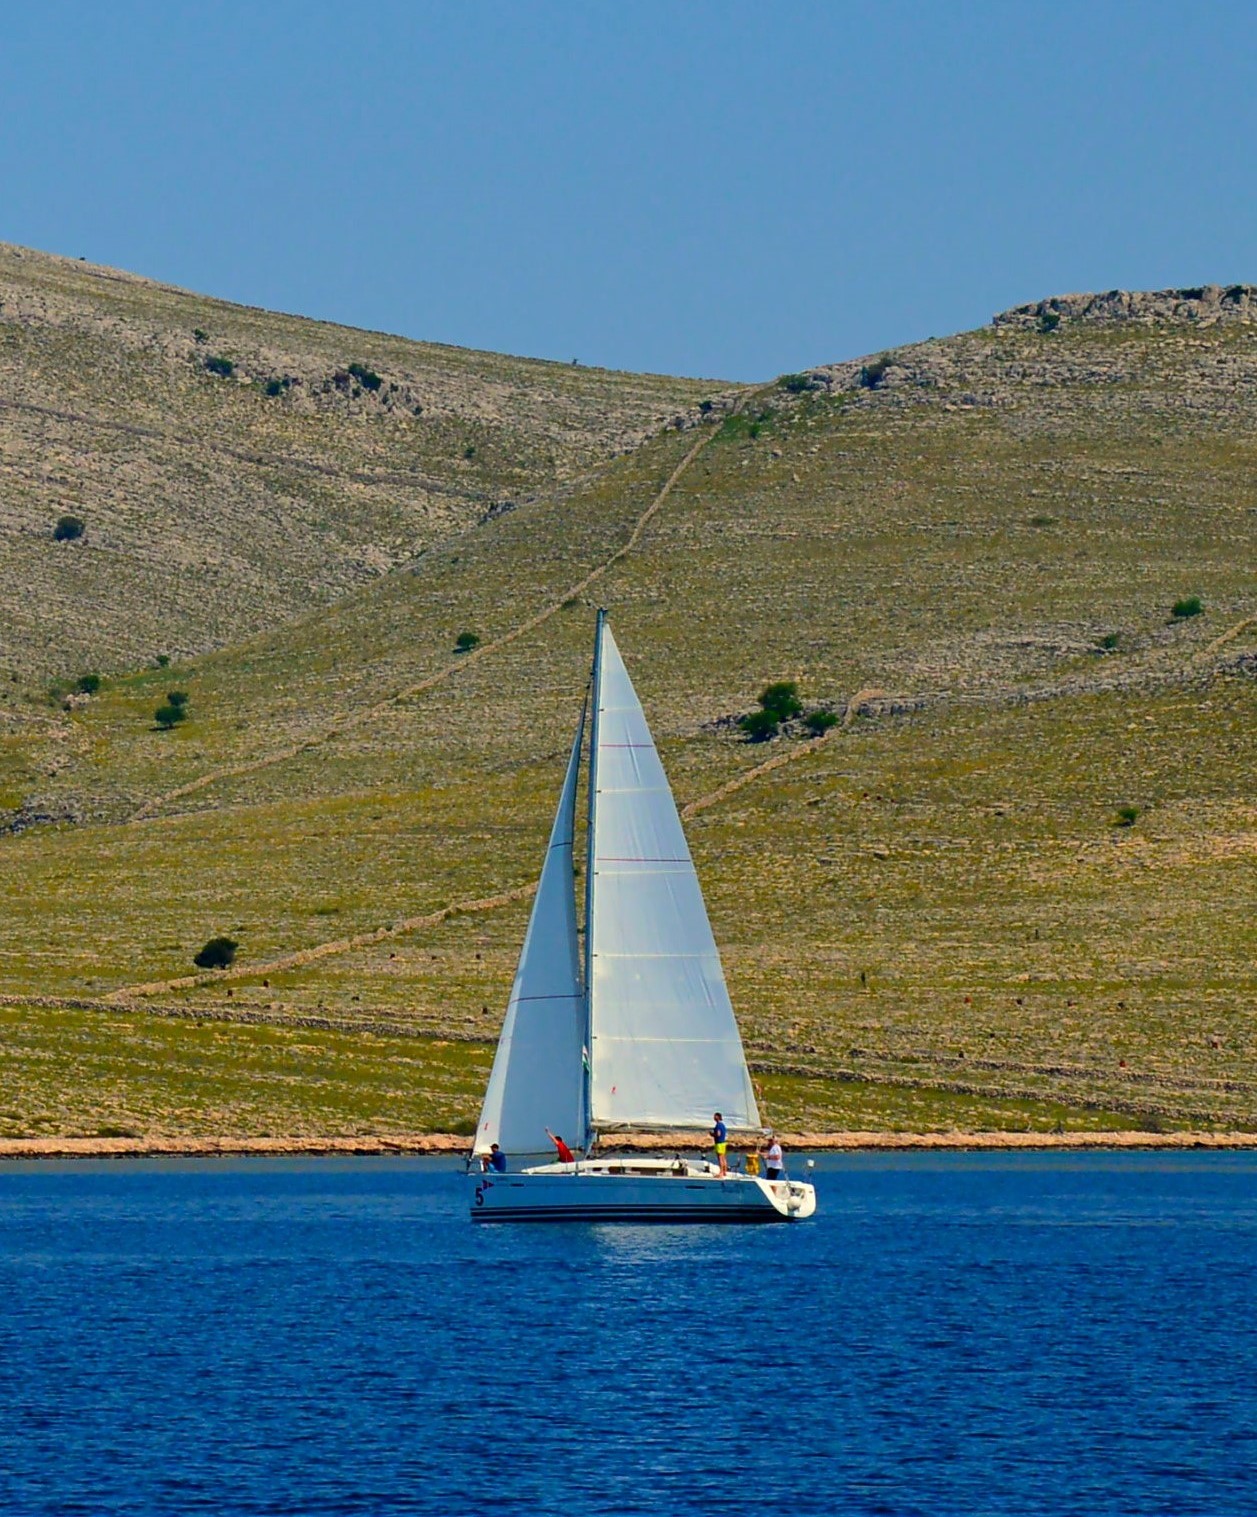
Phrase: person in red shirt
pixel 566 1156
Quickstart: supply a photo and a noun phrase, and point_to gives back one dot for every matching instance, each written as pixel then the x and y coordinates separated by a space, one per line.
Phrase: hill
pixel 1010 888
pixel 233 467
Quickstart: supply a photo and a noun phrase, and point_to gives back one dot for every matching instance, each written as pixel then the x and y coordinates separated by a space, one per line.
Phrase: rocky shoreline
pixel 444 1144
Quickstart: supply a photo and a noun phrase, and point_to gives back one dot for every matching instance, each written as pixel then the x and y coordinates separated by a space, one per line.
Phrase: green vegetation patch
pixel 99 1073
pixel 811 1105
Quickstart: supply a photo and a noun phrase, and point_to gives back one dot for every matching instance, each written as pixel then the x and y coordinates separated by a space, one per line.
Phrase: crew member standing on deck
pixel 566 1156
pixel 774 1160
pixel 720 1137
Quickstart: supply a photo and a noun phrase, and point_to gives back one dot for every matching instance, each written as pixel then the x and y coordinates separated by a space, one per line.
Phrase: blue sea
pixel 962 1333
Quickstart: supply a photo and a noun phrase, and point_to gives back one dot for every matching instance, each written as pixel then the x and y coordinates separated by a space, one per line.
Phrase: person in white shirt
pixel 774 1160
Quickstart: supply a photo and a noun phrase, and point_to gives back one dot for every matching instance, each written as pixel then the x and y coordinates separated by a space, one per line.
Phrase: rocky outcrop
pixel 41 812
pixel 971 371
pixel 1199 303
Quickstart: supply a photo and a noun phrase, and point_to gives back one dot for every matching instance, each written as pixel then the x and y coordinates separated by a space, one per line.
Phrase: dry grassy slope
pixel 213 510
pixel 929 919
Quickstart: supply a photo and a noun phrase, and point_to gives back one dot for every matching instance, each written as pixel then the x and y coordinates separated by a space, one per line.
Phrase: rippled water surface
pixel 959 1334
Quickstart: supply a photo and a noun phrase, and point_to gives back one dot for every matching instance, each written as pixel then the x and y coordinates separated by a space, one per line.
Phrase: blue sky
pixel 728 190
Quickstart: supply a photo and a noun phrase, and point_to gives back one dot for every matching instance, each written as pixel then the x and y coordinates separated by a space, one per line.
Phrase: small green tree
pixel 177 697
pixel 778 702
pixel 819 722
pixel 759 726
pixel 219 365
pixel 1126 816
pixel 781 700
pixel 68 528
pixel 218 953
pixel 1190 605
pixel 167 717
pixel 465 642
pixel 88 684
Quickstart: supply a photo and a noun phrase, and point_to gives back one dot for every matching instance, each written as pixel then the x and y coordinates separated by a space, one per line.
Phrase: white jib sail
pixel 665 1048
pixel 538 1078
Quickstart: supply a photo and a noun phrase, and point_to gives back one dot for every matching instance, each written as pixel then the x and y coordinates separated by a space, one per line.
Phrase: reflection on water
pixel 953 1333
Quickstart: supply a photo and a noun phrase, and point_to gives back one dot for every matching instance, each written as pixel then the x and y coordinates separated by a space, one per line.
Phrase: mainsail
pixel 664 1045
pixel 537 1079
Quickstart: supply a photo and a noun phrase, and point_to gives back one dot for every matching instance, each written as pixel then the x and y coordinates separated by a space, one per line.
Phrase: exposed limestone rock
pixel 1016 359
pixel 1200 303
pixel 40 811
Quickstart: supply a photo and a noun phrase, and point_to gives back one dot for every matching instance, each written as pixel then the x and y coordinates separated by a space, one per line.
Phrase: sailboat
pixel 634 1034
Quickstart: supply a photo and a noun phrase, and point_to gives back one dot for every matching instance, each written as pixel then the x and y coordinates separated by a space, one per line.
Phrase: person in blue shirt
pixel 720 1137
pixel 495 1160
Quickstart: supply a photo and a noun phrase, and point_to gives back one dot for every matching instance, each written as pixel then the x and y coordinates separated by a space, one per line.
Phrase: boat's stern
pixel 794 1199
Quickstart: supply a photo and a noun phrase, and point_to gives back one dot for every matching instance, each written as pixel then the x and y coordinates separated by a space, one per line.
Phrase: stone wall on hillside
pixel 1201 303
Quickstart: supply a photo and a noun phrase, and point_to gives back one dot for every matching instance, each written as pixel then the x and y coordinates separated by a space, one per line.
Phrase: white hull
pixel 637 1190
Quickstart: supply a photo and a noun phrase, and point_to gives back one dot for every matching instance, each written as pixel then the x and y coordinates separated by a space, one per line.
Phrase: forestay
pixel 665 1049
pixel 537 1079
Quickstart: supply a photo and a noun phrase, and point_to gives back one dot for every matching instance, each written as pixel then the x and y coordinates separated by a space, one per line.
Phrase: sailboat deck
pixel 658 1169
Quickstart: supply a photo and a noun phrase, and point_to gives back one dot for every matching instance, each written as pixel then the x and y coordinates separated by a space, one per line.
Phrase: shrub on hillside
pixel 68 528
pixel 219 365
pixel 465 642
pixel 218 953
pixel 1049 321
pixel 88 684
pixel 819 722
pixel 367 378
pixel 1190 605
pixel 781 700
pixel 740 425
pixel 873 375
pixel 797 384
pixel 168 716
pixel 177 697
pixel 1126 816
pixel 759 726
pixel 778 702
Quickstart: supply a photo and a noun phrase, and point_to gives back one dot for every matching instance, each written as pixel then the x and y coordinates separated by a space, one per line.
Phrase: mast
pixel 587 1050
